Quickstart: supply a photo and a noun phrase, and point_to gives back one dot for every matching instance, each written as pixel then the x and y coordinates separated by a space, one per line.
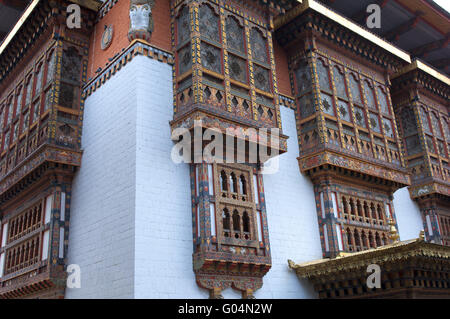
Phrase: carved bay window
pixel 223 61
pixel 365 223
pixel 357 110
pixel 229 222
pixel 24 110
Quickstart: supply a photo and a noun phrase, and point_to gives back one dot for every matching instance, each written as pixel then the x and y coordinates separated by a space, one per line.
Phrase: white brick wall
pixel 408 215
pixel 163 222
pixel 292 218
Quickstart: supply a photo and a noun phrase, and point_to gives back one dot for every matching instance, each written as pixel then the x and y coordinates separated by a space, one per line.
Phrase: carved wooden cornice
pixel 390 254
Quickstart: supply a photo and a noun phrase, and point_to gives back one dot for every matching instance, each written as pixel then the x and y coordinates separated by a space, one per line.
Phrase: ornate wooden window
pixel 233 59
pixel 365 223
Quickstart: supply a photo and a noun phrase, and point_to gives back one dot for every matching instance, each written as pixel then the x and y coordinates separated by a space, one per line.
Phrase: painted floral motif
pixel 303 77
pixel 344 112
pixel 235 35
pixel 211 58
pixel 259 45
pixel 360 118
pixel 185 61
pixel 261 78
pixel 327 104
pixel 374 123
pixel 209 23
pixel 238 68
pixel 306 106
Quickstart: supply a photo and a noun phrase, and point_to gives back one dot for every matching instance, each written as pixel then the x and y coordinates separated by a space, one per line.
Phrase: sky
pixel 444 4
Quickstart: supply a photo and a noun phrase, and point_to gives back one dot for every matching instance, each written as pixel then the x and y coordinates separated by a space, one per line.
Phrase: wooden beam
pixel 395 33
pixel 423 50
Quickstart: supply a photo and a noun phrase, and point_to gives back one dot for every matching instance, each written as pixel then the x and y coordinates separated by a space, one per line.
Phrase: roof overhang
pixel 419 65
pixel 341 20
pixel 385 254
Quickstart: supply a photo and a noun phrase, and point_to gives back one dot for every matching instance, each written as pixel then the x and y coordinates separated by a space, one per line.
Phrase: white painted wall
pixel 408 215
pixel 102 217
pixel 163 224
pixel 292 219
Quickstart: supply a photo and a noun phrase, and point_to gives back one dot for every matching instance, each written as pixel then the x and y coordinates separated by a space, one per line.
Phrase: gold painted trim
pixel 319 8
pixel 67 110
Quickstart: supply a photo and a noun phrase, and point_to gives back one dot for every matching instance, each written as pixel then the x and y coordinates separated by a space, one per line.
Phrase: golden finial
pixel 422 235
pixel 393 233
pixel 291 264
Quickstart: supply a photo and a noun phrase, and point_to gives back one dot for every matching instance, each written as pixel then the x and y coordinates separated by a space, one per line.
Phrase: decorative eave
pixel 316 7
pixel 372 172
pixel 420 73
pixel 349 262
